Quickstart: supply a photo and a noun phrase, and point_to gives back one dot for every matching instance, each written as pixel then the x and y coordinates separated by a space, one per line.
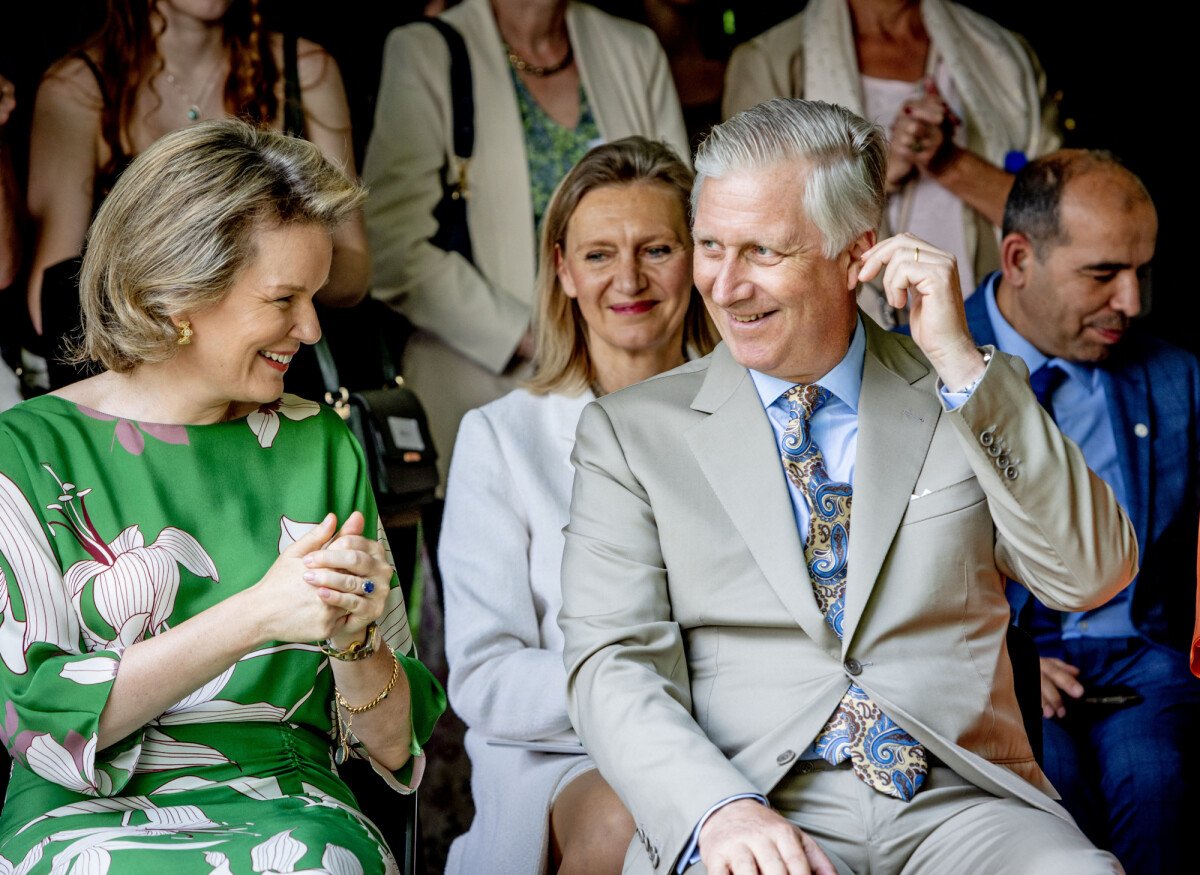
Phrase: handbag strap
pixel 387 362
pixel 329 371
pixel 462 91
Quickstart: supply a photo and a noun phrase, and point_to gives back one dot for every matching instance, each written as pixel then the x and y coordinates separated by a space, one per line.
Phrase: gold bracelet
pixel 344 726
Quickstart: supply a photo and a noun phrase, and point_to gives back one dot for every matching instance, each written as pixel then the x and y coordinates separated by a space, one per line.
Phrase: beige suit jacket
pixel 472 317
pixel 699 665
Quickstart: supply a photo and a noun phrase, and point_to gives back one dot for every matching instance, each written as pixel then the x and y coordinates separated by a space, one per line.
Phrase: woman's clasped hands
pixel 326 586
pixel 922 136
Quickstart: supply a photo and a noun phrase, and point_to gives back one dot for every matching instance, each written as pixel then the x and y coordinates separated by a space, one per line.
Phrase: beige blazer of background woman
pixel 472 317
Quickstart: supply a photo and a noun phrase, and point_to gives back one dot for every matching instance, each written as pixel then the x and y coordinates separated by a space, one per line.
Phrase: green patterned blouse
pixel 551 149
pixel 112 531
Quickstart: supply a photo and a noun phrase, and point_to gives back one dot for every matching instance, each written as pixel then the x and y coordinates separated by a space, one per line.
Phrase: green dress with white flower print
pixel 113 530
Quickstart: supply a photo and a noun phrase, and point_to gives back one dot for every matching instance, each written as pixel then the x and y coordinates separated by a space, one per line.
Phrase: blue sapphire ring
pixel 368 587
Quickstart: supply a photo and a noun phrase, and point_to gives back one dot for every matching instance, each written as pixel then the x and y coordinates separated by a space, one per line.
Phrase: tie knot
pixel 1045 380
pixel 804 400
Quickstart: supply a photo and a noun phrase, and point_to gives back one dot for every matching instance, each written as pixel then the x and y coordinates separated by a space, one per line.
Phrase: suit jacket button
pixel 805 768
pixel 654 858
pixel 852 666
pixel 1011 472
pixel 1002 462
pixel 994 450
pixel 987 438
pixel 786 757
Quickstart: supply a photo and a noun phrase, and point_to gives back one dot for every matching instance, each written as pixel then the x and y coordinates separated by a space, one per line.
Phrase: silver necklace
pixel 193 106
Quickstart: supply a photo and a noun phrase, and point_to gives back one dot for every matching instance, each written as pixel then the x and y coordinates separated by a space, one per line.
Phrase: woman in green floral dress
pixel 197 606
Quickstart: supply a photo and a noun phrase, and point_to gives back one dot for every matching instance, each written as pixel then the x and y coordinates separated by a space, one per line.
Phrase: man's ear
pixel 861 244
pixel 564 276
pixel 1016 259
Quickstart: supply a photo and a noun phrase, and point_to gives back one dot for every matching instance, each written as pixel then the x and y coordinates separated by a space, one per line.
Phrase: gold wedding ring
pixel 916 255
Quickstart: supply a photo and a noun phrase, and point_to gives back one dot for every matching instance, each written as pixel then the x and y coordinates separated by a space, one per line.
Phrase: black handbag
pixel 390 424
pixel 452 233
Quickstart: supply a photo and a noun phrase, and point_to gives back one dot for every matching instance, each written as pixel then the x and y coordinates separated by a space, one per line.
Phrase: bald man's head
pixel 1079 233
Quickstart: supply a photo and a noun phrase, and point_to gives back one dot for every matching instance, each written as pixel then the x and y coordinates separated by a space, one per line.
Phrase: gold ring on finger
pixel 916 255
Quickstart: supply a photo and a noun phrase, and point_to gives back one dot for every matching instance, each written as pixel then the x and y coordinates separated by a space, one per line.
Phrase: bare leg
pixel 590 829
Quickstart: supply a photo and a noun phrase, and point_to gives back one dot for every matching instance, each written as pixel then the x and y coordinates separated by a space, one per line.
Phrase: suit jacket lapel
pixel 896 420
pixel 1127 390
pixel 735 448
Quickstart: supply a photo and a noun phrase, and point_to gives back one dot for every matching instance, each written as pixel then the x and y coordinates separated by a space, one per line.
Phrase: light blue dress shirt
pixel 1081 411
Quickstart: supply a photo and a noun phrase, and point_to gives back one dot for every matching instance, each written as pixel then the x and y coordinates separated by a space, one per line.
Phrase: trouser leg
pixel 949 826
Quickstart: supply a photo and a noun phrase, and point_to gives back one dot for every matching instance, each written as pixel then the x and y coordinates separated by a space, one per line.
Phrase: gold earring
pixel 185 333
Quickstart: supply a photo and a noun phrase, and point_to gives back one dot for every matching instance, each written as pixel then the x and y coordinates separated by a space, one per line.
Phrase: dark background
pixel 1112 64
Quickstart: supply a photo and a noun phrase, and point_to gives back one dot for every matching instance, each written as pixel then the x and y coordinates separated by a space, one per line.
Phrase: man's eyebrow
pixel 1107 266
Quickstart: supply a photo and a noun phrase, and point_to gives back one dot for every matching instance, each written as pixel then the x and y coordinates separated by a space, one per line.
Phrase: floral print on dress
pixel 264 422
pixel 131 434
pixel 133 585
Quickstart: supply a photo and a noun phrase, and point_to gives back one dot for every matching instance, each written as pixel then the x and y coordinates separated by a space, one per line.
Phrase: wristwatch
pixel 357 650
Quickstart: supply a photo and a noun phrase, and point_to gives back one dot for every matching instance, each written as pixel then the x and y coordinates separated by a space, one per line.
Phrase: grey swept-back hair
pixel 846 158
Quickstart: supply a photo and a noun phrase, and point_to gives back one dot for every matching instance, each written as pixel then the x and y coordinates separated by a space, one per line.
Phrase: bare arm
pixel 283 606
pixel 327 125
pixel 977 182
pixel 10 243
pixel 62 169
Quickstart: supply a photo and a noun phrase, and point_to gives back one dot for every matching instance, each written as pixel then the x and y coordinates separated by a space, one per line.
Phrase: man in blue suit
pixel 1122 711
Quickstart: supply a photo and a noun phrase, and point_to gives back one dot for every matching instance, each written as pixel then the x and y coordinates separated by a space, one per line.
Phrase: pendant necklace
pixel 193 106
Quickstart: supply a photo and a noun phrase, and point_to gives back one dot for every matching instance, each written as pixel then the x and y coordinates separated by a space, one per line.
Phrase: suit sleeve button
pixel 852 666
pixel 1011 472
pixel 987 438
pixel 786 757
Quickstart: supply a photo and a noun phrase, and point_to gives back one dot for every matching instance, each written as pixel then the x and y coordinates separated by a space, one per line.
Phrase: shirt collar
pixel 844 381
pixel 1010 341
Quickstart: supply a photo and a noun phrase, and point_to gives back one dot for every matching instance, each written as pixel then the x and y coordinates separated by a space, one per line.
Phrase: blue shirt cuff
pixel 953 400
pixel 691 854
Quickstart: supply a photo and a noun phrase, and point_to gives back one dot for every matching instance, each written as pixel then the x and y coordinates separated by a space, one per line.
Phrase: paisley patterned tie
pixel 882 754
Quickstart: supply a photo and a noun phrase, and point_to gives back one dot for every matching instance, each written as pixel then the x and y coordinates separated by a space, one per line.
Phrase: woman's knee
pixel 590 826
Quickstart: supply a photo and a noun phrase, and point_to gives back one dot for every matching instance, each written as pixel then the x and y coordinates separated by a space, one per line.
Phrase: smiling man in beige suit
pixel 768 687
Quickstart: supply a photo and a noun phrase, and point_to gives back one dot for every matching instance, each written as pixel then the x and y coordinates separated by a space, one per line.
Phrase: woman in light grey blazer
pixel 615 306
pixel 550 80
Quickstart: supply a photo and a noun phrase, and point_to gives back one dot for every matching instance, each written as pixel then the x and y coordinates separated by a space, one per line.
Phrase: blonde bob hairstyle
pixel 179 226
pixel 562 363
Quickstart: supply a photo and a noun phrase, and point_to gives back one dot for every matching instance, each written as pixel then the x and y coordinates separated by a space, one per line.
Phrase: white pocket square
pixel 914 496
